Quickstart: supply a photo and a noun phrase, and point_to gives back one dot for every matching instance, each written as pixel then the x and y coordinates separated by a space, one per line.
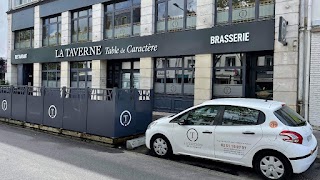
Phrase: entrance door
pixel 260 79
pixel 25 74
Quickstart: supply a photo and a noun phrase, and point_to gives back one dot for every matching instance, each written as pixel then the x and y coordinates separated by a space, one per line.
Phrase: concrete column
pixel 146 73
pixel 99 74
pixel 66 28
pixel 65 74
pixel 11 75
pixel 203 78
pixel 205 13
pixel 37 76
pixel 99 67
pixel 147 17
pixel 37 28
pixel 314 100
pixel 285 77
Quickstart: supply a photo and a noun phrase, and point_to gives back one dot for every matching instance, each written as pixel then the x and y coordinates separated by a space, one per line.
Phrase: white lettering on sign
pixel 52 111
pixel 139 49
pixel 79 52
pixel 125 118
pixel 21 56
pixel 230 38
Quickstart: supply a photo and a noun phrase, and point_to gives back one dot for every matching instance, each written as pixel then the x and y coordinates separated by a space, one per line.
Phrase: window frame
pixel 261 117
pixel 256 17
pixel 76 19
pixel 165 68
pixel 79 70
pixel 18 33
pixel 57 23
pixel 47 71
pixel 113 14
pixel 185 13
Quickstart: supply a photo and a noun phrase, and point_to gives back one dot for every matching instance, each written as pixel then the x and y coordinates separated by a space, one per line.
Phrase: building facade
pixel 187 51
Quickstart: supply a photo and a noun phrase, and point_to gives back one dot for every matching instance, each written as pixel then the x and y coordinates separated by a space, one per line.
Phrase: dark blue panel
pixel 60 6
pixel 5 101
pixel 35 109
pixel 168 103
pixel 143 108
pixel 19 103
pixel 23 19
pixel 53 101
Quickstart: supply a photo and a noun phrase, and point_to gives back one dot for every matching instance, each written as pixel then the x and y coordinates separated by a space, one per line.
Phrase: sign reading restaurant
pixel 217 40
pixel 98 50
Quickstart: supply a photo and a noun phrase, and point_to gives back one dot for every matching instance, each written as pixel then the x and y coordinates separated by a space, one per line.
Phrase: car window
pixel 200 116
pixel 289 117
pixel 237 116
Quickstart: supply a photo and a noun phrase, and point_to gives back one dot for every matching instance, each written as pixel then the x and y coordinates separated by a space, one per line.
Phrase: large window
pixel 175 15
pixel 81 74
pixel 235 11
pixel 51 33
pixel 122 19
pixel 51 74
pixel 23 39
pixel 175 76
pixel 19 3
pixel 82 25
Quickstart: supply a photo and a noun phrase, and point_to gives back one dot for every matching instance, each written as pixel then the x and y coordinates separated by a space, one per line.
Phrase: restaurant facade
pixel 187 51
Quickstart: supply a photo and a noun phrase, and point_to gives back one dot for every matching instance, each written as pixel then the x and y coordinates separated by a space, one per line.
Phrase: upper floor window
pixel 82 25
pixel 122 19
pixel 175 15
pixel 23 39
pixel 51 33
pixel 237 11
pixel 17 3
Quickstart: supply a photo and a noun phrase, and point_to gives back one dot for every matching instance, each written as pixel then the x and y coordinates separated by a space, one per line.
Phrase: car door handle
pixel 207 132
pixel 248 133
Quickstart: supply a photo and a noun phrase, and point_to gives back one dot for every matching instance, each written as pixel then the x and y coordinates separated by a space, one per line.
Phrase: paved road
pixel 28 154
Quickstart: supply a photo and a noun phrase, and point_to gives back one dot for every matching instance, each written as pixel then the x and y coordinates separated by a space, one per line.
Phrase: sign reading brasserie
pixel 98 50
pixel 230 38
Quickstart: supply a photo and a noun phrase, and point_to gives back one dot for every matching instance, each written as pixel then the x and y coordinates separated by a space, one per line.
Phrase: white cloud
pixel 3 28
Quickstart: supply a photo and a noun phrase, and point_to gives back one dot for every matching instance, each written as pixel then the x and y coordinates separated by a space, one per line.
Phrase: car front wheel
pixel 160 146
pixel 272 165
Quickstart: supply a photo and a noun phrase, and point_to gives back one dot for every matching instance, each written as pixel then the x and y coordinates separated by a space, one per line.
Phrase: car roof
pixel 247 102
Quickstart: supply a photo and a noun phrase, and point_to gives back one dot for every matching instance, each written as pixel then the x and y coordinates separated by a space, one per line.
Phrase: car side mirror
pixel 183 122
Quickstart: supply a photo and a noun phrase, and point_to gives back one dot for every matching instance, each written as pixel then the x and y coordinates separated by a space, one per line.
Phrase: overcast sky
pixel 3 28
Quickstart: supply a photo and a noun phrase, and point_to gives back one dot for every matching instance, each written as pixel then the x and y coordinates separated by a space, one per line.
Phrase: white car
pixel 265 135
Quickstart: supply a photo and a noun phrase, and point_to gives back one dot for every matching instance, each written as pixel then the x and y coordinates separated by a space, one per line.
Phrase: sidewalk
pixel 317 135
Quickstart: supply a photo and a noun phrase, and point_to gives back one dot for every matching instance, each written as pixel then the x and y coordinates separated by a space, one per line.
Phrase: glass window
pixel 235 116
pixel 51 34
pixel 231 11
pixel 81 74
pixel 23 39
pixel 200 116
pixel 82 26
pixel 289 117
pixel 51 74
pixel 122 19
pixel 176 15
pixel 175 76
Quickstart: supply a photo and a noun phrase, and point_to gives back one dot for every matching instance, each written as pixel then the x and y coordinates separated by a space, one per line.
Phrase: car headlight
pixel 152 124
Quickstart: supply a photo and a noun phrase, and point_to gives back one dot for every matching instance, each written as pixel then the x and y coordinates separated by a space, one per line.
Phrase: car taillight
pixel 291 136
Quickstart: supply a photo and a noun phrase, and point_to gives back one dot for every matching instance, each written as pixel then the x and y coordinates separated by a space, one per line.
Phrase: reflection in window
pixel 228 81
pixel 51 74
pixel 175 75
pixel 82 26
pixel 81 74
pixel 122 19
pixel 236 11
pixel 176 15
pixel 201 116
pixel 234 116
pixel 264 77
pixel 51 33
pixel 23 39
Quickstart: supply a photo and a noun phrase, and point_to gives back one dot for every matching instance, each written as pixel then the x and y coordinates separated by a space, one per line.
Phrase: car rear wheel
pixel 272 165
pixel 160 146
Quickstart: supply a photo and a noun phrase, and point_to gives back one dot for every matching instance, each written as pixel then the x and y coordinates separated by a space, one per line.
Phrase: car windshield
pixel 289 117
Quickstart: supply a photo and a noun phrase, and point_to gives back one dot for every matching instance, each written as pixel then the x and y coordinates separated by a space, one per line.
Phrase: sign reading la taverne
pixel 99 50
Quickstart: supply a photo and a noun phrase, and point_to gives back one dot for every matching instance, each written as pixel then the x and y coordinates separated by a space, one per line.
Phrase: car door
pixel 238 132
pixel 193 131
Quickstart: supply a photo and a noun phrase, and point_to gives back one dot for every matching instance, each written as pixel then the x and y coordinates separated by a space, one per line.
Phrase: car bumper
pixel 148 138
pixel 301 164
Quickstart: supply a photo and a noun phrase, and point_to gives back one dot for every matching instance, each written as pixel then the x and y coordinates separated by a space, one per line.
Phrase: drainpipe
pixel 301 57
pixel 307 63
